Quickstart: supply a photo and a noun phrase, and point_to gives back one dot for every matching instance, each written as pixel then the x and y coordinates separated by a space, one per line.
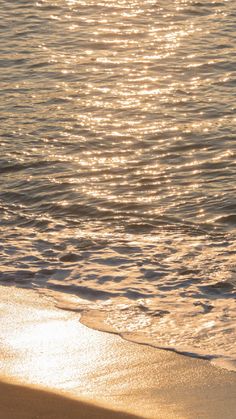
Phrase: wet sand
pixel 49 348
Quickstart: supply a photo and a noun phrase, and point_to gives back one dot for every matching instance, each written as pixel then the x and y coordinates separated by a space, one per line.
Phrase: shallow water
pixel 117 164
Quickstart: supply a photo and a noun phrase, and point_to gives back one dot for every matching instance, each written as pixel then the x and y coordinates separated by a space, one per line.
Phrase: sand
pixel 20 402
pixel 51 350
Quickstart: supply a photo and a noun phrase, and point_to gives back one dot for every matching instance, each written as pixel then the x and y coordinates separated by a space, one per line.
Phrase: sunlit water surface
pixel 117 164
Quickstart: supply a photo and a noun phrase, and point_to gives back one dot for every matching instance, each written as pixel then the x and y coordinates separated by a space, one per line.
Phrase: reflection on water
pixel 118 164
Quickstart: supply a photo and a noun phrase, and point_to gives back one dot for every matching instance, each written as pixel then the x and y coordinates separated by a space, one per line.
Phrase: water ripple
pixel 117 164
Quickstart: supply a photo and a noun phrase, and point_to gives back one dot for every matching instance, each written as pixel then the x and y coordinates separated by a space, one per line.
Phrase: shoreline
pixel 49 348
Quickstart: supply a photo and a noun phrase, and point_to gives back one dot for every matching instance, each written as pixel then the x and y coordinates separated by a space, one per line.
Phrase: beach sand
pixel 20 402
pixel 49 349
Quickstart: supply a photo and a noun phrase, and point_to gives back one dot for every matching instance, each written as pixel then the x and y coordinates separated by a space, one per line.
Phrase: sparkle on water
pixel 117 165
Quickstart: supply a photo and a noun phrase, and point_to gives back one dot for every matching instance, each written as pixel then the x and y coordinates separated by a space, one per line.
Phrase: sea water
pixel 117 165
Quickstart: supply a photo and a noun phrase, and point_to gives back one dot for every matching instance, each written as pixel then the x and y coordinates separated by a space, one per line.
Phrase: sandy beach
pixel 33 403
pixel 52 366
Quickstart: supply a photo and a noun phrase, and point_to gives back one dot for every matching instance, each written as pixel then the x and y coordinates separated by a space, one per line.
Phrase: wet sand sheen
pixel 48 348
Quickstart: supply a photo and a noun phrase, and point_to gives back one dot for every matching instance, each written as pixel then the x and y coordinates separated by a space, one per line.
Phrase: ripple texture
pixel 117 165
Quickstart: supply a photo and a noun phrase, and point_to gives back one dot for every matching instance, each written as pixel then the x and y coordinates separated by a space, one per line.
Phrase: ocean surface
pixel 117 165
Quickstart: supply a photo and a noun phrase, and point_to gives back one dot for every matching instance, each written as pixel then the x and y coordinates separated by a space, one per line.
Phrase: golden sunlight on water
pixel 118 164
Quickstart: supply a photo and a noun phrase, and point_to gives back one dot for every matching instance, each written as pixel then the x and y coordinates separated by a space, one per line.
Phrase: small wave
pixel 14 166
pixel 227 219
